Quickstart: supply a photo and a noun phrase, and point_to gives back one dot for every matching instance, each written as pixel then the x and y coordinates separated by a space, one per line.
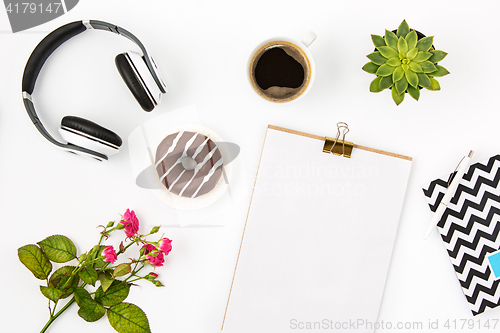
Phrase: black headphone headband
pixel 43 51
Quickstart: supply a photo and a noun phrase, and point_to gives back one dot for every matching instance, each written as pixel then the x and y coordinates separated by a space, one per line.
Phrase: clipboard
pixel 317 242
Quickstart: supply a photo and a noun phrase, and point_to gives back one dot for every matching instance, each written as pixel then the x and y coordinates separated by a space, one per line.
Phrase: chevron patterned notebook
pixel 470 229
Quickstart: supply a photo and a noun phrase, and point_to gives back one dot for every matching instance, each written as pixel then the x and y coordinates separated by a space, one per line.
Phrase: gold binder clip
pixel 333 145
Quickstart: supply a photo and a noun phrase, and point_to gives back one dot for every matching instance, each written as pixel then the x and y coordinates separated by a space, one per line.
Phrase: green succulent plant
pixel 404 63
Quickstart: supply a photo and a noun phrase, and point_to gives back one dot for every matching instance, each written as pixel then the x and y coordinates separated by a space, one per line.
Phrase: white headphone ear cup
pixel 85 133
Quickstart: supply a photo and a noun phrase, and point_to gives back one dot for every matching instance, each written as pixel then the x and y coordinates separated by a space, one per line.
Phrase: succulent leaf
pixel 414 92
pixel 398 74
pixel 370 67
pixel 422 56
pixel 423 80
pixel 412 53
pixel 428 67
pixel 398 98
pixel 405 67
pixel 385 70
pixel 402 46
pixel 416 67
pixel 437 56
pixel 434 84
pixel 385 82
pixel 403 29
pixel 374 85
pixel 412 78
pixel 377 58
pixel 378 40
pixel 411 39
pixel 387 51
pixel 441 71
pixel 394 62
pixel 391 39
pixel 425 44
pixel 401 85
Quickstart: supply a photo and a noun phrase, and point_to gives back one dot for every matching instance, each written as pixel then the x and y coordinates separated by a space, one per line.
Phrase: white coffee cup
pixel 263 82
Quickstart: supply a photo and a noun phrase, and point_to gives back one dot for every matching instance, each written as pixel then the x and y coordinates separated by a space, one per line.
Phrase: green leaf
pixel 428 67
pixel 412 78
pixel 128 318
pixel 33 258
pixel 425 44
pixel 422 56
pixel 51 293
pixel 412 53
pixel 411 39
pixel 441 71
pixel 385 70
pixel 437 56
pixel 106 280
pixel 370 68
pixel 414 92
pixel 378 41
pixel 388 52
pixel 398 98
pixel 122 269
pixel 88 275
pixel 423 80
pixel 385 82
pixel 401 85
pixel 415 67
pixel 394 62
pixel 95 256
pixel 64 280
pixel 115 294
pixel 90 310
pixel 377 58
pixel 58 248
pixel 405 67
pixel 434 84
pixel 374 85
pixel 398 74
pixel 402 46
pixel 403 29
pixel 391 39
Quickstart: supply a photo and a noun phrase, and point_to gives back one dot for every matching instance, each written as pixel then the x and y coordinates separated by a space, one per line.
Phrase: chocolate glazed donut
pixel 179 180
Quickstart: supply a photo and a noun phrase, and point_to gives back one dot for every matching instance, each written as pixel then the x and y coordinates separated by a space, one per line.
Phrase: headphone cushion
pixel 132 81
pixel 92 129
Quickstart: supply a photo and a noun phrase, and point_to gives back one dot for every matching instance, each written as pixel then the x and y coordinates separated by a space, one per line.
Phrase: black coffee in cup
pixel 279 71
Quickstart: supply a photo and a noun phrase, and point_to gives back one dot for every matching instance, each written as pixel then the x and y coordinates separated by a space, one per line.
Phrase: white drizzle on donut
pixel 180 181
pixel 197 169
pixel 207 177
pixel 184 154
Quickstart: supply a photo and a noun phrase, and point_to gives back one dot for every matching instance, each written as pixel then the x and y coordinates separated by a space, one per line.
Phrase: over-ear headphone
pixel 140 73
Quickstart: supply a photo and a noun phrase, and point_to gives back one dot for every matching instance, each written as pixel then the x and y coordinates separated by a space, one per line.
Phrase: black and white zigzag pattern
pixel 470 229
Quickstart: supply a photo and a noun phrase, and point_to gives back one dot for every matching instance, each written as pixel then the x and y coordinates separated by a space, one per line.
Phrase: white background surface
pixel 202 48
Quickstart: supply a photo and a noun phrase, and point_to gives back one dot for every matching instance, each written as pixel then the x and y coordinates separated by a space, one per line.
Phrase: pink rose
pixel 130 223
pixel 156 261
pixel 109 254
pixel 165 245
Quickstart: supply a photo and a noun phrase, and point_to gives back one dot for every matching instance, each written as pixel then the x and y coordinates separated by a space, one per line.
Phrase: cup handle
pixel 308 38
